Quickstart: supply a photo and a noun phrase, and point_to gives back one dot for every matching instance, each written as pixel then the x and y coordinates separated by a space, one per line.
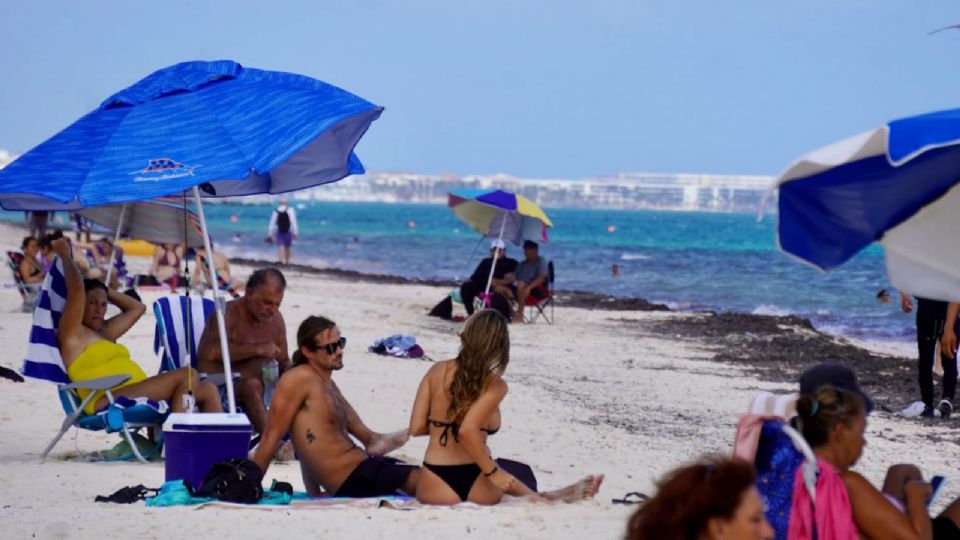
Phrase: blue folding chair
pixel 180 323
pixel 44 362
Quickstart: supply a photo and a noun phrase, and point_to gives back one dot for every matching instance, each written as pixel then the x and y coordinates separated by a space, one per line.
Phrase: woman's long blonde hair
pixel 484 351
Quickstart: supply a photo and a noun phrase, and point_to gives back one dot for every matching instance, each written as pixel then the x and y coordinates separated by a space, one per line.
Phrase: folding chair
pixel 29 293
pixel 779 451
pixel 44 362
pixel 180 323
pixel 537 307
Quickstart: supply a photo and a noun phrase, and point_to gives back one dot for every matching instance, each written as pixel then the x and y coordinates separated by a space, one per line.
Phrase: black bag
pixel 444 309
pixel 234 480
pixel 283 221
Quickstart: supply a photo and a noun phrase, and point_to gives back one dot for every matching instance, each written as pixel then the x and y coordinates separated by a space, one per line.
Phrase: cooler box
pixel 194 442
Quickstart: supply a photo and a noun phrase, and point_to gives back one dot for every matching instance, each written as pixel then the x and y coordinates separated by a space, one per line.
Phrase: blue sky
pixel 558 89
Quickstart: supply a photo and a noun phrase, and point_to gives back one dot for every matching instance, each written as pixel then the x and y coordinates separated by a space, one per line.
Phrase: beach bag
pixel 283 221
pixel 444 309
pixel 233 480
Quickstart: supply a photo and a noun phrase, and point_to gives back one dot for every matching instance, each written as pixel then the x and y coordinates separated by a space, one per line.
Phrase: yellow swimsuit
pixel 102 359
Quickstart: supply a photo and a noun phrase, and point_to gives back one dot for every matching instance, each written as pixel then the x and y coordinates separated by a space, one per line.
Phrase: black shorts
pixel 375 477
pixel 944 528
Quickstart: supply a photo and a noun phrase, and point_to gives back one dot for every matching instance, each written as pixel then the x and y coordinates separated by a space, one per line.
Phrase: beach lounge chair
pixel 29 293
pixel 537 307
pixel 44 362
pixel 765 438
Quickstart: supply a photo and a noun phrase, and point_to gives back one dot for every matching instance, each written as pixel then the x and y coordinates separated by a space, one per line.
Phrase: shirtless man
pixel 308 405
pixel 256 334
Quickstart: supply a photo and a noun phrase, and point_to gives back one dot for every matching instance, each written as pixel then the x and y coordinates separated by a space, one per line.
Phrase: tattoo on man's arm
pixel 310 437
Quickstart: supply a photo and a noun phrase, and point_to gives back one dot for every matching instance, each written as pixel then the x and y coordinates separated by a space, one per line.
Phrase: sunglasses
pixel 330 348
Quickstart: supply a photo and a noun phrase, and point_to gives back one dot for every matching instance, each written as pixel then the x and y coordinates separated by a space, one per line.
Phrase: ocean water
pixel 687 260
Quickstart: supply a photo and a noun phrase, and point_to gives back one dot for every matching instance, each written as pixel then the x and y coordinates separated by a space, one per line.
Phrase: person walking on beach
pixel 309 406
pixel 257 336
pixel 458 407
pixel 283 230
pixel 931 321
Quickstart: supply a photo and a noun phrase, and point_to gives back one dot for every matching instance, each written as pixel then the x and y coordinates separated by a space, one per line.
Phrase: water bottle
pixel 271 373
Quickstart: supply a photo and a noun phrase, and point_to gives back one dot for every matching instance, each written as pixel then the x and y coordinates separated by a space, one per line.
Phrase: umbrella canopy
pixel 501 214
pixel 897 185
pixel 160 221
pixel 241 130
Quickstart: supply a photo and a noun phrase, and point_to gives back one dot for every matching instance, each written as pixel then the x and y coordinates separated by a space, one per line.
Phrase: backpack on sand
pixel 233 480
pixel 283 221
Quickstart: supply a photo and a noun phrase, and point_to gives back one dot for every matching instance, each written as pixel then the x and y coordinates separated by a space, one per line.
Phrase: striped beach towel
pixel 173 312
pixel 43 359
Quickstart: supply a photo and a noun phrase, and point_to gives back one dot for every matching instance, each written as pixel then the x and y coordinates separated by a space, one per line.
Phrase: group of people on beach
pixel 457 404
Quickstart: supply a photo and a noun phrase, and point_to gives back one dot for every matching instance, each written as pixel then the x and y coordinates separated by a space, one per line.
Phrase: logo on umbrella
pixel 163 169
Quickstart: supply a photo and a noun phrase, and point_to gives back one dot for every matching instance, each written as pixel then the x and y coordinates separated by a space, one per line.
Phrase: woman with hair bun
pixel 458 406
pixel 715 499
pixel 847 506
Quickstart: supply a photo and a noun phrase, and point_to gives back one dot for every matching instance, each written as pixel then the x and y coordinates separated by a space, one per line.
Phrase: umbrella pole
pixel 221 323
pixel 486 292
pixel 113 251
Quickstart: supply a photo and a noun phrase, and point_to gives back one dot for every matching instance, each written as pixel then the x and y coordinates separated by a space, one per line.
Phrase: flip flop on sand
pixel 634 497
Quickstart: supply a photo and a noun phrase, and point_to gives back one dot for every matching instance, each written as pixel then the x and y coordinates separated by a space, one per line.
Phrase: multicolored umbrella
pixel 167 220
pixel 898 185
pixel 495 213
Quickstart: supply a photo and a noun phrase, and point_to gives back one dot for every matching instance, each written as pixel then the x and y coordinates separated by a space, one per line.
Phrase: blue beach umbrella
pixel 896 185
pixel 233 130
pixel 241 130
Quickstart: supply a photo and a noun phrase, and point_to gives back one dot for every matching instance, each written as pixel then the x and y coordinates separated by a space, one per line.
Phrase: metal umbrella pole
pixel 116 238
pixel 218 302
pixel 486 292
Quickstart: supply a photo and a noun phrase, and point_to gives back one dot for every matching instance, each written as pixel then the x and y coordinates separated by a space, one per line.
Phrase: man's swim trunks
pixel 375 477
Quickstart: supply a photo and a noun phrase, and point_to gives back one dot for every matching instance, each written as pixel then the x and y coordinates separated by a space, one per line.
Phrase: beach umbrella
pixel 217 125
pixel 495 213
pixel 897 185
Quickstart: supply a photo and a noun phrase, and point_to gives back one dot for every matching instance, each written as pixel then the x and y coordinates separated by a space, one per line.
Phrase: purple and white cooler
pixel 194 442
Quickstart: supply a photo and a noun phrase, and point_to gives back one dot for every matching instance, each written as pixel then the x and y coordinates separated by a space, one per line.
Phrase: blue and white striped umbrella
pixel 896 185
pixel 241 130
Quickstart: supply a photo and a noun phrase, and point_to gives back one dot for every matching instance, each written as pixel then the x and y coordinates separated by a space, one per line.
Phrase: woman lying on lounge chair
pixel 458 406
pixel 89 349
pixel 833 423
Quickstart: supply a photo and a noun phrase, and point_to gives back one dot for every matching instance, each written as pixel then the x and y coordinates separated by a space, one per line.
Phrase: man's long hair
pixel 308 330
pixel 484 351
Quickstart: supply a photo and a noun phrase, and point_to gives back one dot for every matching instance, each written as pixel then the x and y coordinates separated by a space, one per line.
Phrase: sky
pixel 540 89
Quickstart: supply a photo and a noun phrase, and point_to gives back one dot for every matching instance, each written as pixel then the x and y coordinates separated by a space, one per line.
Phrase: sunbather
pixel 30 268
pixel 88 345
pixel 833 422
pixel 308 405
pixel 710 500
pixel 458 406
pixel 165 267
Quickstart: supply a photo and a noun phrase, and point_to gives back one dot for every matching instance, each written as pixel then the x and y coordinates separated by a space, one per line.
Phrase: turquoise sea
pixel 687 260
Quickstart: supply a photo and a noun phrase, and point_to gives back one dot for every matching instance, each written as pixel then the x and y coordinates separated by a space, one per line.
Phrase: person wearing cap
pixel 283 230
pixel 531 273
pixel 502 278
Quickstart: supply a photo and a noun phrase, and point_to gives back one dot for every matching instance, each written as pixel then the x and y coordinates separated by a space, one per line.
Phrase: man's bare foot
pixel 285 452
pixel 385 444
pixel 584 489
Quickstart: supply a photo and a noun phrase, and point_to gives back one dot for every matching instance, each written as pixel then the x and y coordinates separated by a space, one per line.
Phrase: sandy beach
pixel 612 388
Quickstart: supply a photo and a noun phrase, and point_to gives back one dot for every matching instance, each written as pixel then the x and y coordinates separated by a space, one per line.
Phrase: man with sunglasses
pixel 323 425
pixel 256 335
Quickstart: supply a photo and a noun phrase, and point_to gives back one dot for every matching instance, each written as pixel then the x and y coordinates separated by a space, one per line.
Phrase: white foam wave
pixel 634 257
pixel 770 309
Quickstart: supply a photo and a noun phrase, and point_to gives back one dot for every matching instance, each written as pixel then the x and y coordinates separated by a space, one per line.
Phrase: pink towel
pixel 748 435
pixel 834 517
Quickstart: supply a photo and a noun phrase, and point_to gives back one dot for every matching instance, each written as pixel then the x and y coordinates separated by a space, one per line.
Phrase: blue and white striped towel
pixel 43 359
pixel 171 333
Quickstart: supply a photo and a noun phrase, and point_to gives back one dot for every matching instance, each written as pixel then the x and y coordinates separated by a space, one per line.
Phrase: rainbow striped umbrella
pixel 495 213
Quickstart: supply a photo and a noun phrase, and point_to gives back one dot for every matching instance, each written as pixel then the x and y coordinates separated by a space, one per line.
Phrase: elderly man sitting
pixel 502 278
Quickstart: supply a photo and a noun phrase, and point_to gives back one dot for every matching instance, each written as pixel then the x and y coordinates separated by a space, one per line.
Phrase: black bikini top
pixel 453 427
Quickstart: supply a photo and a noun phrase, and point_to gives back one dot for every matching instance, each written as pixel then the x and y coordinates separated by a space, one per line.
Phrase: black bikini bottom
pixel 460 478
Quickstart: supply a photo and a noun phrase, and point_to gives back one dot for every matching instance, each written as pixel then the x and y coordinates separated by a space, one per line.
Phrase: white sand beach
pixel 589 394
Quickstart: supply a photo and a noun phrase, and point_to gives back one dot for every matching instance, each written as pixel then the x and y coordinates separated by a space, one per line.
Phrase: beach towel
pixel 831 518
pixel 399 345
pixel 43 360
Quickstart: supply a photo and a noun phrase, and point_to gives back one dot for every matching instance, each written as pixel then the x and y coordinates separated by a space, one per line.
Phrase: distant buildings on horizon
pixel 660 191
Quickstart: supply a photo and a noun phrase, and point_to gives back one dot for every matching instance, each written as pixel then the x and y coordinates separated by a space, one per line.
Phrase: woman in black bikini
pixel 458 406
